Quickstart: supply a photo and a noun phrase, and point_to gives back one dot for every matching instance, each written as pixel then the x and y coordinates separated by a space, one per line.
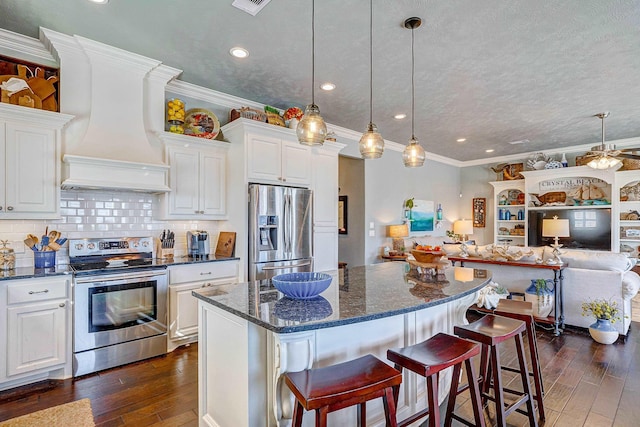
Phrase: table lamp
pixel 555 228
pixel 463 227
pixel 398 233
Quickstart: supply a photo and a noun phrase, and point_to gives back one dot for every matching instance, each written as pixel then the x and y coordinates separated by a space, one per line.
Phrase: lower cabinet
pixel 37 337
pixel 183 306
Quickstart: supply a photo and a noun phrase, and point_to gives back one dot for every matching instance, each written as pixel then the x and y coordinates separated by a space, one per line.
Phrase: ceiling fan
pixel 606 156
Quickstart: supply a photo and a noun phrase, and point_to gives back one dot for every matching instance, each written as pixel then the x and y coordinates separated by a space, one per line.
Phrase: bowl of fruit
pixel 427 253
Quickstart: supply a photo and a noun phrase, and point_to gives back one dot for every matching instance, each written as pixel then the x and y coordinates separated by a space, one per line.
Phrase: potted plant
pixel 606 313
pixel 541 296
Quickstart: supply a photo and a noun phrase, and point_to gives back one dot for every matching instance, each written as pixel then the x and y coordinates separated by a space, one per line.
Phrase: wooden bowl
pixel 427 256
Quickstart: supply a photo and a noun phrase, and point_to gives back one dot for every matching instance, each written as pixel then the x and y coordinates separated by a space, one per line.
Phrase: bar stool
pixel 428 359
pixel 345 384
pixel 523 310
pixel 490 331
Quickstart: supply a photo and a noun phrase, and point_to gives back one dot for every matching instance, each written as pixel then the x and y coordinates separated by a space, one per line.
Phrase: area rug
pixel 76 414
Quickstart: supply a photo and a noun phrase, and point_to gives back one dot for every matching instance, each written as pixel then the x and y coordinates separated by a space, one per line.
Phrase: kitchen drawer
pixel 203 271
pixel 21 291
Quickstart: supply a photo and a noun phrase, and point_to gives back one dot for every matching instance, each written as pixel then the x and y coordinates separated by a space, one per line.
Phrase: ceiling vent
pixel 252 7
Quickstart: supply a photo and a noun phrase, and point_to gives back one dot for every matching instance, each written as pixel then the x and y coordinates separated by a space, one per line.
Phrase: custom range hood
pixel 115 96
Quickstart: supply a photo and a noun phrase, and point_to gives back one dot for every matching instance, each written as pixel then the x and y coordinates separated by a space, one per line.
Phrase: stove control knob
pixel 79 246
pixel 91 245
pixel 145 243
pixel 135 244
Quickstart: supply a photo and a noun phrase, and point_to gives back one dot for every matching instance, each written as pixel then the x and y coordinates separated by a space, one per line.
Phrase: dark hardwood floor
pixel 162 391
pixel 586 384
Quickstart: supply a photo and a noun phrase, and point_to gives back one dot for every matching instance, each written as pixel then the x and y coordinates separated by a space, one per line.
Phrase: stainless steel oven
pixel 119 312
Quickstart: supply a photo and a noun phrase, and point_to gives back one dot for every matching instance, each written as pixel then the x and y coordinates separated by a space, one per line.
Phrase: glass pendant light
pixel 604 161
pixel 371 143
pixel 413 155
pixel 312 130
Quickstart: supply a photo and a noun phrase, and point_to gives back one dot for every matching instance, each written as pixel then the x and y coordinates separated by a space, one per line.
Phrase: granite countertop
pixel 31 272
pixel 358 295
pixel 60 269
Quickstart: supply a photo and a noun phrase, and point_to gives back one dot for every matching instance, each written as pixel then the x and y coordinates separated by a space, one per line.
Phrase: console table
pixel 558 313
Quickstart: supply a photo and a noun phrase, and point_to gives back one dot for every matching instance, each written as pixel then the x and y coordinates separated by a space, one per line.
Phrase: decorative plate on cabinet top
pixel 201 123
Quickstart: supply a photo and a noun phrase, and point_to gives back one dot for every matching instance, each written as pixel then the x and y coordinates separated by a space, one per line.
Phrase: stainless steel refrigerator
pixel 280 230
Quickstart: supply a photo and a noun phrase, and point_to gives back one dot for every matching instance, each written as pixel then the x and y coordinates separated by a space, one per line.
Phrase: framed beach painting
pixel 422 216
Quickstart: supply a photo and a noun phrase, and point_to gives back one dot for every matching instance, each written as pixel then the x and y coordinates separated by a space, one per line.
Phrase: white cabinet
pixel 510 224
pixel 278 160
pixel 262 153
pixel 197 178
pixel 583 195
pixel 325 207
pixel 626 212
pixel 36 342
pixel 30 162
pixel 183 306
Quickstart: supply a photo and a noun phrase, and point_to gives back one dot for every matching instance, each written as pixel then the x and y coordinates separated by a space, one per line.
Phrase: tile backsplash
pixel 93 214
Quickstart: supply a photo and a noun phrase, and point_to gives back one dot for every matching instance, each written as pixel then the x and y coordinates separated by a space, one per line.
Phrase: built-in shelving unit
pixel 509 212
pixel 626 235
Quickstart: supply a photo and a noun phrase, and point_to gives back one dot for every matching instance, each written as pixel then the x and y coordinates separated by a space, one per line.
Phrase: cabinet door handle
pixel 206 285
pixel 39 292
pixel 0 208
pixel 206 274
pixel 61 304
pixel 9 208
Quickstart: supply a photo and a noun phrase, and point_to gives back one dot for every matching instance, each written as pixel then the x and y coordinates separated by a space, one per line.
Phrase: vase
pixel 542 300
pixel 603 332
pixel 293 123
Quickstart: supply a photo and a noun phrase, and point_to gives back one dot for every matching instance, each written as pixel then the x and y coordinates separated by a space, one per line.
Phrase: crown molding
pixel 25 48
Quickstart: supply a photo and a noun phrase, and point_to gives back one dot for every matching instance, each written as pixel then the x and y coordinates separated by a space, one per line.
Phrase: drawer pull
pixel 206 274
pixel 61 304
pixel 39 292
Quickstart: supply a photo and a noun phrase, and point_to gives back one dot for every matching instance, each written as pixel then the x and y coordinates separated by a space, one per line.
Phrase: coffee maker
pixel 198 243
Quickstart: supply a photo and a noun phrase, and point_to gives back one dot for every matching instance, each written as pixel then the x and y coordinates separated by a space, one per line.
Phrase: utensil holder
pixel 44 259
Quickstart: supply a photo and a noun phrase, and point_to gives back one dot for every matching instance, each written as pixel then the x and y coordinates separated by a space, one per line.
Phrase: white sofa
pixel 589 275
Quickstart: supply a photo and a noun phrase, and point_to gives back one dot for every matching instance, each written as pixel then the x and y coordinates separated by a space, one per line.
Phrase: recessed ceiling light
pixel 400 116
pixel 327 86
pixel 239 52
pixel 521 141
pixel 490 150
pixel 99 1
pixel 461 139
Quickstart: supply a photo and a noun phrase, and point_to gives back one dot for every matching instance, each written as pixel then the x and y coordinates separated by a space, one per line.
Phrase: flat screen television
pixel 589 228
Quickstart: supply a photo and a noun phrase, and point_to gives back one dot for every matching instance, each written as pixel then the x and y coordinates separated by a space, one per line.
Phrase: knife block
pixel 163 253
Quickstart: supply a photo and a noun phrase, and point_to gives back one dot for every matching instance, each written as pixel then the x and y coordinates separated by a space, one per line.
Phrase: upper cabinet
pixel 278 159
pixel 30 161
pixel 197 178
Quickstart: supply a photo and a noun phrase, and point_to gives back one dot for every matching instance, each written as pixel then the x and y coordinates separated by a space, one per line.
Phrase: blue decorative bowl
pixel 301 285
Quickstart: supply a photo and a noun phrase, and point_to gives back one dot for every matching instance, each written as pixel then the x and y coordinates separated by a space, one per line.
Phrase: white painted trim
pixel 114 54
pixel 39 117
pixel 25 48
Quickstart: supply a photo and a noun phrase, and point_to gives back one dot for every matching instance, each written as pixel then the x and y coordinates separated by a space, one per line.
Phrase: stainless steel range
pixel 119 302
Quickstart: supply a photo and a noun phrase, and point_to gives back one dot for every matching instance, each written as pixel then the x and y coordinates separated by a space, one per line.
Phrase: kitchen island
pixel 250 334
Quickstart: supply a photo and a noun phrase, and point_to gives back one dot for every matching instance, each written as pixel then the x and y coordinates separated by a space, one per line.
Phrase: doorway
pixel 351 184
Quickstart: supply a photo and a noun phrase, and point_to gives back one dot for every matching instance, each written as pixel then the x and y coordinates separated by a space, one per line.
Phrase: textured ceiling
pixel 491 71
